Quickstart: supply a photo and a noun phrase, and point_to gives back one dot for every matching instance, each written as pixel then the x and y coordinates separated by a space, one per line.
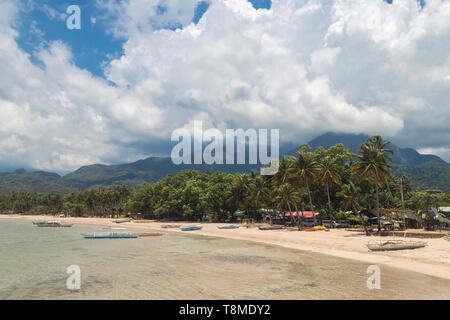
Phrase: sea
pixel 39 263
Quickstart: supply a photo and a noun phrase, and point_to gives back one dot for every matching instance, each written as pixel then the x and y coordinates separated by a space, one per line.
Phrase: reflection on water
pixel 34 261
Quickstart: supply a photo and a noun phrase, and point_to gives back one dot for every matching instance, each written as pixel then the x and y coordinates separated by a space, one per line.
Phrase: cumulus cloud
pixel 305 67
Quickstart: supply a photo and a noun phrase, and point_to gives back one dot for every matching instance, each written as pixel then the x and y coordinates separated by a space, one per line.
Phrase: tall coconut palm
pixel 283 174
pixel 259 191
pixel 329 173
pixel 286 197
pixel 306 170
pixel 351 199
pixel 372 163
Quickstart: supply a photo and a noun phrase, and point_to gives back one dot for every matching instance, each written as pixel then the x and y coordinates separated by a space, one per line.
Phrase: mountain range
pixel 426 171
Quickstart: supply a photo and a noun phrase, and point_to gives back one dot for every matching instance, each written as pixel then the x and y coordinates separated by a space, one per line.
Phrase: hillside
pixel 402 156
pixel 430 175
pixel 38 181
pixel 426 171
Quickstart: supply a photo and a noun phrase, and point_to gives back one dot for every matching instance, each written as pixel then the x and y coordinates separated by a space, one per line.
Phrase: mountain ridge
pixel 406 161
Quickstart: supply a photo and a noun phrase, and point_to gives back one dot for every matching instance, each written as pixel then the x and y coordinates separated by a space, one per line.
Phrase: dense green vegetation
pixel 326 180
pixel 426 171
pixel 428 175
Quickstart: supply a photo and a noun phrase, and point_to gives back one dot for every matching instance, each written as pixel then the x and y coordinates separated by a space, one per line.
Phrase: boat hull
pixel 270 228
pixel 229 227
pixel 150 234
pixel 399 248
pixel 54 226
pixel 395 245
pixel 191 228
pixel 110 237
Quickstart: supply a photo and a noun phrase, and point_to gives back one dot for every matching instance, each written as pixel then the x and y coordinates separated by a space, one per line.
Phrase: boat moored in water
pixel 110 234
pixel 52 224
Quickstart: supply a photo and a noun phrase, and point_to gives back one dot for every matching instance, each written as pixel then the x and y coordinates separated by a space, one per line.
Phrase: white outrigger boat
pixel 52 224
pixel 392 245
pixel 111 234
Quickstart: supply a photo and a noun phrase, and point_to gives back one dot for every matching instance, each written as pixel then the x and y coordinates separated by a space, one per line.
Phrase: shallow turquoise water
pixel 34 260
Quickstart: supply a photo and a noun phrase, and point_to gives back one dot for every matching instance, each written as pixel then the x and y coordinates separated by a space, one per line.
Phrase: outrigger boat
pixel 166 226
pixel 143 221
pixel 190 228
pixel 121 220
pixel 316 228
pixel 270 228
pixel 52 224
pixel 391 245
pixel 149 234
pixel 228 227
pixel 110 235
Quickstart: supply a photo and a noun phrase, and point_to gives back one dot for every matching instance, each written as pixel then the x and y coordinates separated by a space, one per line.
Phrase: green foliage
pixel 324 180
pixel 428 175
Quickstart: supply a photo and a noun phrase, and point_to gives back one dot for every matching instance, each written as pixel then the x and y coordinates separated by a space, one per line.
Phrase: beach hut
pixel 304 214
pixel 411 219
pixel 269 215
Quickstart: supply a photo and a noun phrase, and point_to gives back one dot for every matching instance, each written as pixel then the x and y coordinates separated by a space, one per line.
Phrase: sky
pixel 114 90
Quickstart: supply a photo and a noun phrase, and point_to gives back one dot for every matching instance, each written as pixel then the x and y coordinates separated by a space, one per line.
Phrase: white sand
pixel 433 260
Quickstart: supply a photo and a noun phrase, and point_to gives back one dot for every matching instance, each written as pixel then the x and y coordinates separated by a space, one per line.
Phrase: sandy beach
pixel 433 260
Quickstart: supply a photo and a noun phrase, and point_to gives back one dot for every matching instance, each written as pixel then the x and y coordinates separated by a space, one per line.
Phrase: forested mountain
pixel 426 171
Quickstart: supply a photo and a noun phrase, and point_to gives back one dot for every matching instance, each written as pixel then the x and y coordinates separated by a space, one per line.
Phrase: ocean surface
pixel 34 261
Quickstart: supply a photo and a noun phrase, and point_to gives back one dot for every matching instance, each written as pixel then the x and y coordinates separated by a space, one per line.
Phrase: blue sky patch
pixel 45 21
pixel 261 4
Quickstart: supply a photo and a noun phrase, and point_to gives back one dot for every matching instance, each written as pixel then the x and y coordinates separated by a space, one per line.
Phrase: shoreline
pixel 433 260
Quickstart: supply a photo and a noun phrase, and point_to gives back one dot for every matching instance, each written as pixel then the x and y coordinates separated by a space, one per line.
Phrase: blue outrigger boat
pixel 190 228
pixel 110 235
pixel 228 227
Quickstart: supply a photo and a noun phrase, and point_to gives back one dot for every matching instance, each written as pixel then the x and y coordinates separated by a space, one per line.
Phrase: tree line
pixel 328 181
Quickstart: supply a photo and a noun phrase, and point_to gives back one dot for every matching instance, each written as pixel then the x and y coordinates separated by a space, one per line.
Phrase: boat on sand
pixel 149 234
pixel 316 228
pixel 191 228
pixel 228 227
pixel 391 245
pixel 143 221
pixel 121 220
pixel 270 228
pixel 167 226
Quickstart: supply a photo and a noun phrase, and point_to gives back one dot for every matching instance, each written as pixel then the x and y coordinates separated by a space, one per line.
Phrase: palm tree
pixel 305 169
pixel 373 164
pixel 238 195
pixel 351 199
pixel 283 174
pixel 259 192
pixel 329 173
pixel 287 196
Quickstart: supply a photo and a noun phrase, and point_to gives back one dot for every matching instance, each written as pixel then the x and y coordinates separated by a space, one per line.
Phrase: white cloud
pixel 305 67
